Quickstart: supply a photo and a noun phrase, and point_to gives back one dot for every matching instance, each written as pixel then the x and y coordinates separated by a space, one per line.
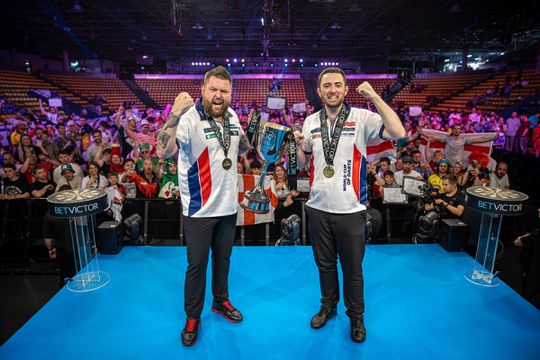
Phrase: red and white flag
pixel 248 182
pixel 482 148
pixel 379 148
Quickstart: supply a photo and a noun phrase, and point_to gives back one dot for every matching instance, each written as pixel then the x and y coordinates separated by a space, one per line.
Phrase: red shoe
pixel 226 309
pixel 190 332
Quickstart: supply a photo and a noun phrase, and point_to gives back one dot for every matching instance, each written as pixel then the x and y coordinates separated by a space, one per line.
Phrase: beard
pixel 209 104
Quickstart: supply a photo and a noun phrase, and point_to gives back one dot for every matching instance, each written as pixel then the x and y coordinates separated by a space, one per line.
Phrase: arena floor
pixel 418 305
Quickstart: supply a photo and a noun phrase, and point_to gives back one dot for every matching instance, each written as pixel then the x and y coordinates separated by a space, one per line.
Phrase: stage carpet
pixel 418 306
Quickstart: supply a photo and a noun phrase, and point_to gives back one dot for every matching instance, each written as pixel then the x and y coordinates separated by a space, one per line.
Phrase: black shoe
pixel 226 309
pixel 358 331
pixel 190 332
pixel 325 314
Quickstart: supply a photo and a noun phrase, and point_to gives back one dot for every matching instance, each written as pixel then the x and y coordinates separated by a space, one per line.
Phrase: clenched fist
pixel 183 101
pixel 366 90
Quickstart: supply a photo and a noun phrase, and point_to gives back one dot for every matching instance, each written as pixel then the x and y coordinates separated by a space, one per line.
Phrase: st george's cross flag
pixel 247 182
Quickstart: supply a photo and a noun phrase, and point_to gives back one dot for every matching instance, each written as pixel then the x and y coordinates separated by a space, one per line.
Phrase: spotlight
pixel 262 21
pixel 227 60
pixel 293 60
pixel 286 64
pixel 337 64
pixel 235 60
pixel 272 64
pixel 286 60
pixel 192 63
pixel 242 60
pixel 301 60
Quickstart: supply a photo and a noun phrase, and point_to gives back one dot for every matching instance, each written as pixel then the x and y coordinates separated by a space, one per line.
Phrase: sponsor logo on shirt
pixel 347 168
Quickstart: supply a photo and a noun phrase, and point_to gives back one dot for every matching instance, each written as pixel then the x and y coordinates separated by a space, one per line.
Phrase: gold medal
pixel 328 171
pixel 226 163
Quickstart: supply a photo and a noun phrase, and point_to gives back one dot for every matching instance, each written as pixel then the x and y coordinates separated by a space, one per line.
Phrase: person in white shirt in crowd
pixel 512 125
pixel 94 180
pixel 68 178
pixel 52 114
pixel 455 144
pixel 65 158
pixel 498 179
pixel 407 171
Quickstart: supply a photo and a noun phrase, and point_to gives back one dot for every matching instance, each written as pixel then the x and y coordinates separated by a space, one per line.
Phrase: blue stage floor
pixel 418 306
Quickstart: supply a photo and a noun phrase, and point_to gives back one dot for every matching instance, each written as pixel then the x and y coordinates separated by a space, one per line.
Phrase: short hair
pixel 65 152
pixel 10 166
pixel 451 178
pixel 129 160
pixel 389 173
pixel 220 72
pixel 333 70
pixel 414 152
pixel 36 168
pixel 96 131
pixel 501 163
pixel 384 159
pixel 112 173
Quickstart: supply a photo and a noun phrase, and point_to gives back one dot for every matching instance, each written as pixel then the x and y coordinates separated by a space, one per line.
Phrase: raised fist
pixel 366 90
pixel 182 102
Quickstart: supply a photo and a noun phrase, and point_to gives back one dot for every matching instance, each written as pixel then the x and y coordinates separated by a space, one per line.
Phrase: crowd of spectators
pixel 48 151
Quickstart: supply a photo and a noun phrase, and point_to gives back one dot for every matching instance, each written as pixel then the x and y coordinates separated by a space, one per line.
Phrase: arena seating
pixel 378 85
pixel 494 103
pixel 439 87
pixel 15 85
pixel 245 90
pixel 163 91
pixel 113 90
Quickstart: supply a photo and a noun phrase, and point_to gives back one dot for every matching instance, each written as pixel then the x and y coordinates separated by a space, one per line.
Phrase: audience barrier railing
pixel 22 223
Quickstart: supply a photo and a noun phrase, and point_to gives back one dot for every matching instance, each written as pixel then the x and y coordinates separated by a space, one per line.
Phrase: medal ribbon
pixel 225 139
pixel 329 147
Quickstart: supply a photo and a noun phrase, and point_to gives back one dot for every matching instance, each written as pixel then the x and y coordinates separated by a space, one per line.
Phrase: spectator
pixel 43 186
pixel 536 140
pixel 168 180
pixel 523 136
pixel 94 180
pixel 65 158
pixel 499 178
pixel 96 143
pixel 116 194
pixel 406 172
pixel 512 125
pixel 147 183
pixel 68 178
pixel 14 186
pixel 455 144
pixel 131 188
pixel 285 196
pixel 443 167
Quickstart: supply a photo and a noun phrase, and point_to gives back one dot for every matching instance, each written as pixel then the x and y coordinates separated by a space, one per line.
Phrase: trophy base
pixel 482 278
pixel 88 281
pixel 255 203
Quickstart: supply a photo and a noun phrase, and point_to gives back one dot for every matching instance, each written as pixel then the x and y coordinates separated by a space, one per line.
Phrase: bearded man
pixel 209 137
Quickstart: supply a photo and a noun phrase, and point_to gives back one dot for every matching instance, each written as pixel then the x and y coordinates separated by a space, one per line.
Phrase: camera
pixel 429 194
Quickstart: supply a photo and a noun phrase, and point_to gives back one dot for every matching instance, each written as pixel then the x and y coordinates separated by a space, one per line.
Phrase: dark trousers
pixel 344 235
pixel 202 234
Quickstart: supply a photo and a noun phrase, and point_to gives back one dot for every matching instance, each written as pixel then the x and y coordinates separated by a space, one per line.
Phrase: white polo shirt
pixel 345 192
pixel 206 188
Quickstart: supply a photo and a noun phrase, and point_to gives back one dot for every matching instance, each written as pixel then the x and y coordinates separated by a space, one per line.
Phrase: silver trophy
pixel 270 140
